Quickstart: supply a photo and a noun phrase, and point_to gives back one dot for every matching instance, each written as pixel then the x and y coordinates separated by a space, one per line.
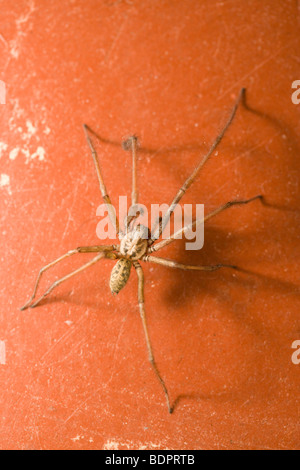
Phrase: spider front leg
pixel 157 231
pixel 179 233
pixel 81 249
pixel 110 208
pixel 140 274
pixel 131 144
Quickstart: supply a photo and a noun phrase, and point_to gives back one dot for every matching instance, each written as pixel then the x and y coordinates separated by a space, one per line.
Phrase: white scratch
pixel 108 58
pixel 253 70
pixel 2 353
pixel 3 147
pixel 3 40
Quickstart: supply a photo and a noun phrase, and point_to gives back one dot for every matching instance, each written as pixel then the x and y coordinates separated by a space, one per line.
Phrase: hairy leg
pixel 187 267
pixel 132 143
pixel 141 300
pixel 180 232
pixel 158 231
pixel 110 208
pixel 72 274
pixel 82 249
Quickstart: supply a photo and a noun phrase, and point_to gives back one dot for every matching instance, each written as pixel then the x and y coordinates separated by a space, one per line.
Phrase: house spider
pixel 138 243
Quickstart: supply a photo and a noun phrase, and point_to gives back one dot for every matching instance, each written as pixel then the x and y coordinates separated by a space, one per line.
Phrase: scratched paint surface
pixel 75 373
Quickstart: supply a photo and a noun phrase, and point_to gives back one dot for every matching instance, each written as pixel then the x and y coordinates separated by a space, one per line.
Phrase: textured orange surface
pixel 76 373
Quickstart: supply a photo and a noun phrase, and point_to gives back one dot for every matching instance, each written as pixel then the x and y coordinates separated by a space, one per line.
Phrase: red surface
pixel 76 373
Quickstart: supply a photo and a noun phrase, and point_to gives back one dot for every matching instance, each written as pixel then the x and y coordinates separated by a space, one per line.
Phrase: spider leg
pixel 140 274
pixel 180 232
pixel 132 143
pixel 82 249
pixel 68 276
pixel 158 231
pixel 110 208
pixel 134 193
pixel 173 264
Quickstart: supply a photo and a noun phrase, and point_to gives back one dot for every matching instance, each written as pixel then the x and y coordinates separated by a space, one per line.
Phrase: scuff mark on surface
pixel 113 444
pixel 3 147
pixel 14 153
pixel 40 154
pixel 2 353
pixel 27 133
pixel 31 130
pixel 15 44
pixel 5 182
pixel 3 40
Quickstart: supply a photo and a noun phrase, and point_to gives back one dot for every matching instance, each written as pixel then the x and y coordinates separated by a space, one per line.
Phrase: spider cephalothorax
pixel 134 244
pixel 137 243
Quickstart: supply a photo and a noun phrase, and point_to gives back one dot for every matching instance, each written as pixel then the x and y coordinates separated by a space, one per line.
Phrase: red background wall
pixel 76 373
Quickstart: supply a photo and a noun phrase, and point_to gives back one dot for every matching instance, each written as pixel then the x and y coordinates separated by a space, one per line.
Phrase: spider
pixel 138 242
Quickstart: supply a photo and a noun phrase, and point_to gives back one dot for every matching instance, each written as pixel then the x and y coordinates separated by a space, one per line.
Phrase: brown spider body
pixel 137 243
pixel 133 246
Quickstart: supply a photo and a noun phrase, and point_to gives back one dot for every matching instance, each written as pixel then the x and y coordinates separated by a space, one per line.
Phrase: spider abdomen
pixel 119 275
